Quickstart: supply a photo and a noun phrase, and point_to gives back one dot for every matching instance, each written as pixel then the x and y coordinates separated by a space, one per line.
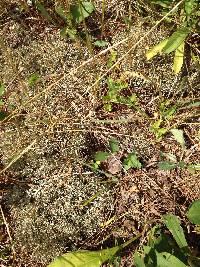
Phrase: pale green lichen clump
pixel 51 217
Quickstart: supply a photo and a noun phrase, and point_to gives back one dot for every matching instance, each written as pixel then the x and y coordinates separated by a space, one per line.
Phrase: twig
pixel 8 231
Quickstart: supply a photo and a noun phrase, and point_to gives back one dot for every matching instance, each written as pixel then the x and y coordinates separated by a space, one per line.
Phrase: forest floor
pixel 56 118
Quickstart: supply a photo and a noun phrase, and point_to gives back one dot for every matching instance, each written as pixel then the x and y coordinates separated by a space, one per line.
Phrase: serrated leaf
pixel 114 145
pixel 82 11
pixel 84 258
pixel 176 39
pixel 156 49
pixel 178 136
pixel 132 162
pixel 166 165
pixel 173 224
pixel 101 155
pixel 178 58
pixel 193 213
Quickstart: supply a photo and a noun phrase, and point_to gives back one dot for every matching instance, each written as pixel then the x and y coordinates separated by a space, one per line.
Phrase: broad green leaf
pixel 193 213
pixel 114 145
pixel 173 224
pixel 101 155
pixel 101 43
pixel 178 136
pixel 132 162
pixel 156 49
pixel 176 39
pixel 167 165
pixel 195 167
pixel 84 258
pixel 2 89
pixel 165 259
pixel 138 260
pixel 82 11
pixel 178 58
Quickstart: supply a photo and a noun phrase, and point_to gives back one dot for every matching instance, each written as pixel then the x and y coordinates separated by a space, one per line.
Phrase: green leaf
pixel 178 58
pixel 173 224
pixel 165 259
pixel 1 102
pixel 82 11
pixel 193 213
pixel 138 260
pixel 3 115
pixel 178 136
pixel 169 112
pixel 189 6
pixel 195 104
pixel 101 43
pixel 101 155
pixel 33 78
pixel 156 49
pixel 43 11
pixel 61 12
pixel 132 162
pixel 71 32
pixel 163 3
pixel 195 167
pixel 170 156
pixel 166 165
pixel 84 258
pixel 176 39
pixel 108 107
pixel 114 145
pixel 2 89
pixel 112 59
pixel 182 165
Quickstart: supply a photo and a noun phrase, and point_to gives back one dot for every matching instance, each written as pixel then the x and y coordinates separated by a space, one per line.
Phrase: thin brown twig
pixel 8 231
